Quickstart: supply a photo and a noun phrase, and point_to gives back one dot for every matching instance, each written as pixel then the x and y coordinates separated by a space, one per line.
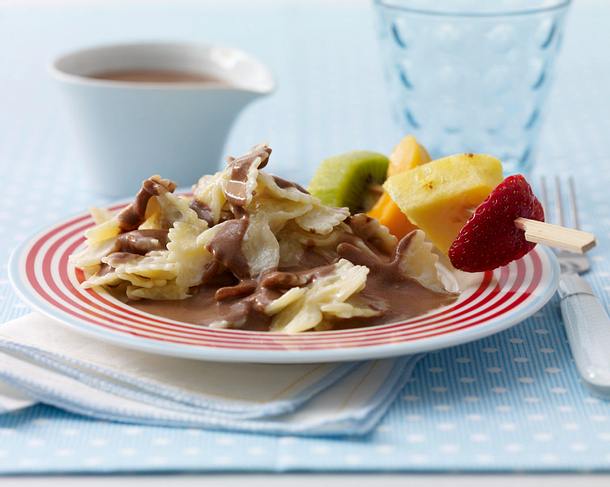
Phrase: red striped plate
pixel 41 274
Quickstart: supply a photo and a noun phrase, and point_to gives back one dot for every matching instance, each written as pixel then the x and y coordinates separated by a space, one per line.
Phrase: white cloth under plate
pixel 50 363
pixel 12 399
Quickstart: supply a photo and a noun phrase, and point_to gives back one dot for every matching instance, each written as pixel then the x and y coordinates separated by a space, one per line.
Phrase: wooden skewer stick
pixel 556 235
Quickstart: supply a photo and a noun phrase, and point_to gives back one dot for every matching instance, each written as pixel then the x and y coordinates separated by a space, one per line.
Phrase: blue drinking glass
pixel 472 76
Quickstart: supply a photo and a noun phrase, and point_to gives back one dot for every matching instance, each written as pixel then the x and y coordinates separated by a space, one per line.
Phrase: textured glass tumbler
pixel 472 76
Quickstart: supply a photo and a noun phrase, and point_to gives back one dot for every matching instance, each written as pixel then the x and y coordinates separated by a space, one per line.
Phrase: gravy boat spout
pixel 128 130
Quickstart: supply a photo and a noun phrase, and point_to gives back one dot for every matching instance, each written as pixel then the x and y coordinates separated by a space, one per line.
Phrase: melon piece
pixel 405 156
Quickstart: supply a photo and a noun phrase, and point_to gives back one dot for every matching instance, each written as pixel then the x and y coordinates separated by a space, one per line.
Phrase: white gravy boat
pixel 131 130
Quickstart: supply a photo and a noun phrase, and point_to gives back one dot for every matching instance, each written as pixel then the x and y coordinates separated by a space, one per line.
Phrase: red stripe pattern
pixel 55 282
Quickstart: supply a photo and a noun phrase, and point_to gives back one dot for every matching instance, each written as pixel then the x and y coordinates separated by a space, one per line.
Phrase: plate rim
pixel 550 264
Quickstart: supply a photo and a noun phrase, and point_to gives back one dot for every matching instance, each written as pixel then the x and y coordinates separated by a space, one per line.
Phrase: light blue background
pixel 509 402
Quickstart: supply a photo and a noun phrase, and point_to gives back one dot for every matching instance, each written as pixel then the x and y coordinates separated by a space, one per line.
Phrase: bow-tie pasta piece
pixel 335 287
pixel 209 194
pixel 259 246
pixel 288 190
pixel 322 219
pixel 418 261
pixel 278 212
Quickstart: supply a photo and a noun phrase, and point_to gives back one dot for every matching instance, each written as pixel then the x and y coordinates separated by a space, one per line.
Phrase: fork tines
pixel 559 214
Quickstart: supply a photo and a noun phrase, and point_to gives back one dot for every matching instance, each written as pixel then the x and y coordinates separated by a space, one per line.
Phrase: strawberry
pixel 490 239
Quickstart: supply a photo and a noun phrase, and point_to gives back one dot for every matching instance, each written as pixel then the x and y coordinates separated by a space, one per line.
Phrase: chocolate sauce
pixel 294 278
pixel 387 290
pixel 367 229
pixel 239 290
pixel 158 76
pixel 132 216
pixel 386 286
pixel 242 304
pixel 204 212
pixel 226 246
pixel 142 241
pixel 235 189
pixel 284 184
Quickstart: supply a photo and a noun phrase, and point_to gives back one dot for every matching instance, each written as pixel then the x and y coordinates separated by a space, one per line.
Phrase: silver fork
pixel 586 321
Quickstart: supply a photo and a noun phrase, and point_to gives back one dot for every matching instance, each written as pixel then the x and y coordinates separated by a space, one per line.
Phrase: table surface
pixel 581 91
pixel 305 480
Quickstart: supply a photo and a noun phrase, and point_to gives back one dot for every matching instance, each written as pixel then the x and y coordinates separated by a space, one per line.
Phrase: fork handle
pixel 588 328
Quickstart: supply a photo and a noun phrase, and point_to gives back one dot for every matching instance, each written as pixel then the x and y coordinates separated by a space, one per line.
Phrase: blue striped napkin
pixel 49 363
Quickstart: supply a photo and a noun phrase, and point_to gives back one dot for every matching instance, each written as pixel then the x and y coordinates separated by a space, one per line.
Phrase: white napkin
pixel 50 363
pixel 12 399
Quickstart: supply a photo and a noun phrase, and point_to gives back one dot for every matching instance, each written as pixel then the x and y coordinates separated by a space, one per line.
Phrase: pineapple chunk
pixel 440 196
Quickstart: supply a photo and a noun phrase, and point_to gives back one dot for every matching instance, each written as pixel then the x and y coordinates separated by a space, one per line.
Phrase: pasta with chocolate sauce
pixel 253 251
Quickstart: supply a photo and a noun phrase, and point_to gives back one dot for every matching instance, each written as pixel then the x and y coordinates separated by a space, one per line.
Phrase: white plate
pixel 40 272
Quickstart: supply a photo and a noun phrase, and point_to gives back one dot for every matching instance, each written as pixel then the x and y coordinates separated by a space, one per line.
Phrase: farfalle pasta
pixel 325 297
pixel 251 250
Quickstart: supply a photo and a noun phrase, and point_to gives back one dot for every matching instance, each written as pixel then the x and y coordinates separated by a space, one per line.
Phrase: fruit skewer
pixel 464 205
pixel 506 226
pixel 544 233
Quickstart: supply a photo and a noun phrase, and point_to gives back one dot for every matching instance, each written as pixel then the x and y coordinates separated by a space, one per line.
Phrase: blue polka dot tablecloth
pixel 509 402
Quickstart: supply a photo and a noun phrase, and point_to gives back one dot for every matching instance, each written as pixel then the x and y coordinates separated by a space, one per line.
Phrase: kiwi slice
pixel 352 179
